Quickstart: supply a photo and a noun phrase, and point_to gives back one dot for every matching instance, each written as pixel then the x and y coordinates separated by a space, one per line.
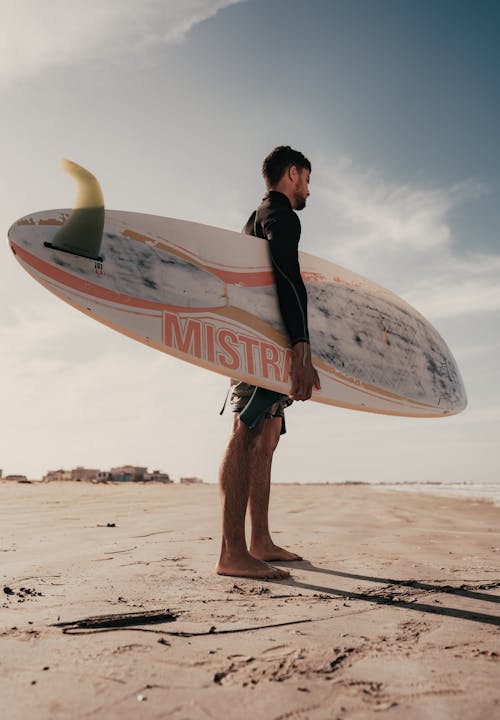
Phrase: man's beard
pixel 300 202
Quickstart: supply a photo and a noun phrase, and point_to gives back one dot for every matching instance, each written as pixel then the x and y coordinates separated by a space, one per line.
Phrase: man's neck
pixel 283 191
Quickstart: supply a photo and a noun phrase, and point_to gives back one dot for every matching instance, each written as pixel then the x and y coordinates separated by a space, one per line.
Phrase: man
pixel 245 474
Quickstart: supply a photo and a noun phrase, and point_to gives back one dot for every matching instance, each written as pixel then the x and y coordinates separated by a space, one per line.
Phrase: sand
pixel 394 613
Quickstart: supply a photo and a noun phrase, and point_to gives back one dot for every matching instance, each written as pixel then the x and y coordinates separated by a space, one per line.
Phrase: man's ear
pixel 293 173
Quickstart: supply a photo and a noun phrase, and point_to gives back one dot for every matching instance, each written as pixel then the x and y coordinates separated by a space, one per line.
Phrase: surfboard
pixel 206 295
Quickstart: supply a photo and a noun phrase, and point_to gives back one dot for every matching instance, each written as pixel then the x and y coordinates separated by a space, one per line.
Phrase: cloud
pixel 401 236
pixel 379 216
pixel 464 289
pixel 35 36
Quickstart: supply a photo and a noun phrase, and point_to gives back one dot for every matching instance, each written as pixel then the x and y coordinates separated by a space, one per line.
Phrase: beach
pixel 110 606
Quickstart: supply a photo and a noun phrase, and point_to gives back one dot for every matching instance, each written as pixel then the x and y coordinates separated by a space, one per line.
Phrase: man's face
pixel 300 188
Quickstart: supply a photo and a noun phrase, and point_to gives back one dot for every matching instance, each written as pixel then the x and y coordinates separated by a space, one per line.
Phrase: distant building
pixel 17 478
pixel 57 475
pixel 191 480
pixel 81 474
pixel 128 473
pixel 121 476
pixel 158 476
pixel 124 473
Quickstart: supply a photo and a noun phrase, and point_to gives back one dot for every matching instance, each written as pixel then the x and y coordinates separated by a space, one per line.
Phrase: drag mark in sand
pixel 134 621
pixel 160 560
pixel 115 552
pixel 37 577
pixel 213 630
pixel 159 532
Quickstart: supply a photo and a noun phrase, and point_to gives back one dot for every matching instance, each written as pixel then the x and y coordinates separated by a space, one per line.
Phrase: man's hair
pixel 279 160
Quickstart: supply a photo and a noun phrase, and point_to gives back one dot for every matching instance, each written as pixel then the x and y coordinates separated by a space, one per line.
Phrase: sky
pixel 173 104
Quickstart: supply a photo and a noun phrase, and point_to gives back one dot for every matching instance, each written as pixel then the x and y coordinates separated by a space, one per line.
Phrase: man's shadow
pixel 379 598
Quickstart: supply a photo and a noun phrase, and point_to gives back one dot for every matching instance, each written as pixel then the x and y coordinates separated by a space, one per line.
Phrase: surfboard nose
pixel 81 234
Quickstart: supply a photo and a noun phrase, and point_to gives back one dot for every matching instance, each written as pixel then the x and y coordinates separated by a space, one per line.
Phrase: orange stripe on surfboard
pixel 247 278
pixel 91 289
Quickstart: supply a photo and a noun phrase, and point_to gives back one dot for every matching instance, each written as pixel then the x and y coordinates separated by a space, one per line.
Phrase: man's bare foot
pixel 249 567
pixel 270 551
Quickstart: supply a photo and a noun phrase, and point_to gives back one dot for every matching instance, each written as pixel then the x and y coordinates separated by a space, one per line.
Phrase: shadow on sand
pixel 389 595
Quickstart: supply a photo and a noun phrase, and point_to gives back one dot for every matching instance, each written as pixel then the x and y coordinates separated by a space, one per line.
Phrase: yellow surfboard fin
pixel 81 234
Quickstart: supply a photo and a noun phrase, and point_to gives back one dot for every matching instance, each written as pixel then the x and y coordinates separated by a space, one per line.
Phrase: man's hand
pixel 303 374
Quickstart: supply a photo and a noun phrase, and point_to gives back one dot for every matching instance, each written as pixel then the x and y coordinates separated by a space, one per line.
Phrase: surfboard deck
pixel 206 295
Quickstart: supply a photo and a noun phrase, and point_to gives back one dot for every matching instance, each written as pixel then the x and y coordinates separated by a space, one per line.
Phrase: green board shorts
pixel 240 394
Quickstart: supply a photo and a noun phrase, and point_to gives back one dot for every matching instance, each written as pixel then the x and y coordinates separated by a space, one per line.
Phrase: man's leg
pixel 261 544
pixel 234 484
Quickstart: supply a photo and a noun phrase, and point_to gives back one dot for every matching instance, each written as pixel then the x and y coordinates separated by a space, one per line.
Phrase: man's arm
pixel 283 234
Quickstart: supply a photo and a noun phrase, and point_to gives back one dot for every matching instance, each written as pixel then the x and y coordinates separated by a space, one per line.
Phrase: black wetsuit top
pixel 275 221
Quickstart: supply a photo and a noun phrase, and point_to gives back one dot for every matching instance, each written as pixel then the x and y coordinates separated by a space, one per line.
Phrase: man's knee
pixel 245 435
pixel 270 430
pixel 263 438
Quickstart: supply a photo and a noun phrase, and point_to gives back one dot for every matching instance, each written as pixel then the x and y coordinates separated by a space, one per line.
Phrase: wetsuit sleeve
pixel 283 234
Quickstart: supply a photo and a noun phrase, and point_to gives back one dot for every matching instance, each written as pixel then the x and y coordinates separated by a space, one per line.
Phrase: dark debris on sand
pixel 22 593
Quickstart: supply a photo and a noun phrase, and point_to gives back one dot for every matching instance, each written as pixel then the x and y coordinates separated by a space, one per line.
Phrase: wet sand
pixel 110 607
